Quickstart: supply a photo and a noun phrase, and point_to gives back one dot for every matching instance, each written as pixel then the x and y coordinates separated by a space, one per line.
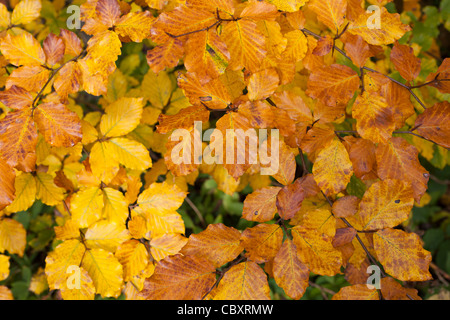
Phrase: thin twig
pixel 197 212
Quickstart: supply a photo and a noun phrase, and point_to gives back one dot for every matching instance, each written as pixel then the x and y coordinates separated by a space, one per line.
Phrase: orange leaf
pixel 7 178
pixel 246 45
pixel 404 60
pixel 182 120
pixel 54 48
pixel 59 126
pixel 213 94
pixel 244 281
pixel 329 12
pixel 289 272
pixel 18 136
pixel 397 159
pixel 260 205
pixel 262 242
pixel 433 124
pixel 180 278
pixel 165 56
pixel 402 255
pixel 108 12
pixel 16 98
pixel 289 199
pixel 356 292
pixel 262 84
pixel 218 244
pixel 333 84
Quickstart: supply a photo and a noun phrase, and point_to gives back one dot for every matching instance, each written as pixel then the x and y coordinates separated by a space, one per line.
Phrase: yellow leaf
pixel 106 235
pixel 58 262
pixel 121 117
pixel 389 30
pixel 105 271
pixel 25 186
pixel 5 293
pixel 161 197
pixel 47 191
pixel 22 49
pixel 5 17
pixel 134 258
pixel 317 251
pixel 103 166
pixel 288 5
pixel 86 206
pixel 4 267
pixel 116 206
pixel 244 281
pixel 131 154
pixel 402 255
pixel 135 25
pixel 38 282
pixel 332 168
pixel 385 204
pixel 26 11
pixel 157 88
pixel 67 231
pixel 329 12
pixel 70 289
pixel 260 205
pixel 296 47
pixel 166 245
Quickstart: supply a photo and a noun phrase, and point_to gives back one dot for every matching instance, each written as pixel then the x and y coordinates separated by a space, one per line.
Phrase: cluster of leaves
pixel 87 177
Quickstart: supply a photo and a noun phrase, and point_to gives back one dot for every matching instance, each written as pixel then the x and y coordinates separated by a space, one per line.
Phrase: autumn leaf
pixel 389 30
pixel 402 255
pixel 260 205
pixel 332 168
pixel 385 204
pixel 217 243
pixel 397 159
pixel 180 278
pixel 244 281
pixel 429 124
pixel 289 272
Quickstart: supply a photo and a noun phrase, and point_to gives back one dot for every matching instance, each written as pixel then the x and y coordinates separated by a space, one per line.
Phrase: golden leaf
pixel 218 243
pixel 244 281
pixel 402 255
